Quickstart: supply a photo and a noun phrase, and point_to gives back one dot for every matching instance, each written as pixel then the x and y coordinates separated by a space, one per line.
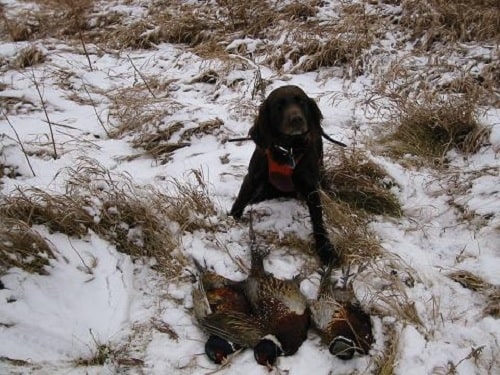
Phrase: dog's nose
pixel 296 119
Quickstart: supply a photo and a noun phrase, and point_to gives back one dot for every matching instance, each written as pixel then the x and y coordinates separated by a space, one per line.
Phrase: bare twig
pixel 44 106
pixel 85 51
pixel 95 110
pixel 142 77
pixel 19 141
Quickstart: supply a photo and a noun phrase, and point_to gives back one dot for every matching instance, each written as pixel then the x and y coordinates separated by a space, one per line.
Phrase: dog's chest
pixel 280 169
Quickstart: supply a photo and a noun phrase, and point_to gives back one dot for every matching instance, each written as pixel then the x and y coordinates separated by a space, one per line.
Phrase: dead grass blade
pixel 28 57
pixel 469 280
pixel 23 247
pixel 493 303
pixel 477 284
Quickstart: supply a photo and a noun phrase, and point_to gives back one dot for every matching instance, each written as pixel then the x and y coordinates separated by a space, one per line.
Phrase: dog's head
pixel 286 113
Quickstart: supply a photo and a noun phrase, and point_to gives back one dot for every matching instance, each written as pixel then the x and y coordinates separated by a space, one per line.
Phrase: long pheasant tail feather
pixel 257 253
pixel 251 232
pixel 201 305
pixel 326 285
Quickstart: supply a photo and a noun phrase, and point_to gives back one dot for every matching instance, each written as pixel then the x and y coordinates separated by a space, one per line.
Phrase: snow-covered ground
pixel 48 322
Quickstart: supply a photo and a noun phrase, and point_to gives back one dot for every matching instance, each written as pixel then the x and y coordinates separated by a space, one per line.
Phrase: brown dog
pixel 288 159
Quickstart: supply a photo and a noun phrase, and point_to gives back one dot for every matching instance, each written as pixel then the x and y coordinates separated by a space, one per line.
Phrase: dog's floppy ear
pixel 261 127
pixel 316 114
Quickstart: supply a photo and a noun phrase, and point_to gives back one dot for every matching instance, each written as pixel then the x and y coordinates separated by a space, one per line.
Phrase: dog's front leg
pixel 247 191
pixel 324 248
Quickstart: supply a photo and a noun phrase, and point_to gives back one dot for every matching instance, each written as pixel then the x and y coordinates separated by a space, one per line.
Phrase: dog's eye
pixel 281 104
pixel 299 100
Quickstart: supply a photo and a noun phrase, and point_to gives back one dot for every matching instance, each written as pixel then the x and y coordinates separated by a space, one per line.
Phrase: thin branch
pixel 19 141
pixel 44 106
pixel 142 77
pixel 95 109
pixel 85 51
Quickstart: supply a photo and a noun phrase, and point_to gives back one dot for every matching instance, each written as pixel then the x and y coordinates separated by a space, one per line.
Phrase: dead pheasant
pixel 223 311
pixel 341 323
pixel 281 308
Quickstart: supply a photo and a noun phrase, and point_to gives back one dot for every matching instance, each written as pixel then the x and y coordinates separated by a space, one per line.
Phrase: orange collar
pixel 280 172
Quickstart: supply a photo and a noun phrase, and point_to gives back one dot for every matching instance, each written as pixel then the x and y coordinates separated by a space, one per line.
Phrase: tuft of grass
pixel 477 284
pixel 53 18
pixel 23 247
pixel 493 303
pixel 440 21
pixel 64 17
pixel 209 127
pixel 390 298
pixel 128 216
pixel 157 143
pixel 355 242
pixel 102 354
pixel 18 31
pixel 340 42
pixel 386 361
pixel 469 280
pixel 29 56
pixel 135 109
pixel 431 127
pixel 191 206
pixel 351 177
pixel 156 139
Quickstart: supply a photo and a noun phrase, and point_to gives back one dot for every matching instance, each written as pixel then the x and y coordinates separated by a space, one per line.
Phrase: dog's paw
pixel 236 212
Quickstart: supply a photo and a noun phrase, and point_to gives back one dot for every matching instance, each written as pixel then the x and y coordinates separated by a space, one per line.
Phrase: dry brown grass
pixel 469 280
pixel 29 56
pixel 432 126
pixel 23 247
pixel 55 18
pixel 493 303
pixel 288 241
pixel 351 177
pixel 209 28
pixel 355 242
pixel 136 110
pixel 477 284
pixel 451 21
pixel 342 41
pixel 191 206
pixel 126 215
pixel 389 280
pixel 156 141
pixel 386 361
pixel 209 127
